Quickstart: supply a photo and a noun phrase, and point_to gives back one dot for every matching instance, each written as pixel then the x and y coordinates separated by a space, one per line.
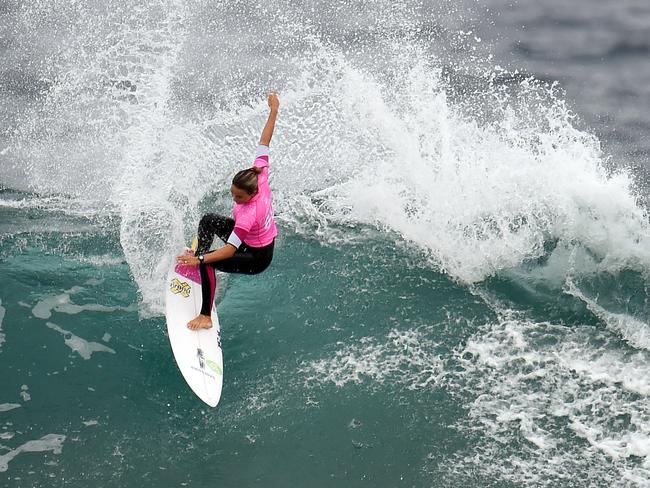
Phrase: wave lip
pixel 635 332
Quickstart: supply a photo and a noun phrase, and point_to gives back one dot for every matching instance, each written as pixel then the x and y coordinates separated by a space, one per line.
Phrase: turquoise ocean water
pixel 459 291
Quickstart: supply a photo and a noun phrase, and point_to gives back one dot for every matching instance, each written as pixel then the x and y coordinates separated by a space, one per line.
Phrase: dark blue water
pixel 459 291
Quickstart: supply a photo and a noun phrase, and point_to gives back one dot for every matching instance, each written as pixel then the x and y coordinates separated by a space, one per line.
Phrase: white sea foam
pixel 43 308
pixel 404 357
pixel 103 260
pixel 547 386
pixel 81 346
pixel 49 442
pixel 61 303
pixel 3 311
pixel 5 407
pixel 75 207
pixel 24 393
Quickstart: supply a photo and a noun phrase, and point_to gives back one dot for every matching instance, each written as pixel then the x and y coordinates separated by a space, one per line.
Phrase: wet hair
pixel 246 180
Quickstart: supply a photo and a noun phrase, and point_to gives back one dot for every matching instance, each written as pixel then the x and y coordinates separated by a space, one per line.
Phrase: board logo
pixel 199 355
pixel 215 367
pixel 177 286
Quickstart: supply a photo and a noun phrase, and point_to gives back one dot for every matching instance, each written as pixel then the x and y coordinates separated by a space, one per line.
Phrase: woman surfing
pixel 249 237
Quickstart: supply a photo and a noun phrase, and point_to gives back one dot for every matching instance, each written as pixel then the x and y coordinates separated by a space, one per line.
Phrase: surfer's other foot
pixel 200 322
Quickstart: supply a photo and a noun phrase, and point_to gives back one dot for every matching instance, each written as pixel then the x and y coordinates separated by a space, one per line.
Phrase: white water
pixel 81 346
pixel 405 358
pixel 62 303
pixel 362 138
pixel 3 311
pixel 548 385
pixel 5 407
pixel 49 442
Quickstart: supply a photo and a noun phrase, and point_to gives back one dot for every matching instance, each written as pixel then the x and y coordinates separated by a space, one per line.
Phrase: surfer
pixel 249 237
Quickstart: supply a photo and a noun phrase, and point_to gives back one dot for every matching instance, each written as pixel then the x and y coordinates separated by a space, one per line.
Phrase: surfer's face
pixel 239 195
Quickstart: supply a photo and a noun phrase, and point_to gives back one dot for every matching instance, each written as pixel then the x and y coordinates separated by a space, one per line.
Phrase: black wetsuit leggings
pixel 246 260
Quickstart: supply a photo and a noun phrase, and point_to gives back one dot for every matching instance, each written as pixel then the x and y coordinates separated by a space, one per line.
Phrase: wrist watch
pixel 201 258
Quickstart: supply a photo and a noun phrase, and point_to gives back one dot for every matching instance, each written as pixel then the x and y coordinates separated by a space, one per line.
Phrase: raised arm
pixel 267 132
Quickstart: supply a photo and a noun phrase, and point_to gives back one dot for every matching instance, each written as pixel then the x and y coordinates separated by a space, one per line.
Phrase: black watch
pixel 201 258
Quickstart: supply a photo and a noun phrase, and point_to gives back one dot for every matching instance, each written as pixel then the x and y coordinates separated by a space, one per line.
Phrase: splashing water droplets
pixel 478 167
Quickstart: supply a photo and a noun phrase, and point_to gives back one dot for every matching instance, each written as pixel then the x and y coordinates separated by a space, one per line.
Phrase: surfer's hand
pixel 274 101
pixel 188 259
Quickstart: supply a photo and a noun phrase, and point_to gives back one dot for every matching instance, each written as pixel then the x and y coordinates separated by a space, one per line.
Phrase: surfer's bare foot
pixel 200 322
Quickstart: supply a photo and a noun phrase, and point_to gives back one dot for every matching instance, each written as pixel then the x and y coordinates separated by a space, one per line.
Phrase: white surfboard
pixel 197 352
